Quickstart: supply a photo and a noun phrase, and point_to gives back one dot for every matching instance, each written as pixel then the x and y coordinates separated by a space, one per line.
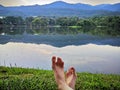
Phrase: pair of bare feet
pixel 64 81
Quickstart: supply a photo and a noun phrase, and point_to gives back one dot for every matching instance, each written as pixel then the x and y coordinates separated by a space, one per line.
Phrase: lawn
pixel 15 78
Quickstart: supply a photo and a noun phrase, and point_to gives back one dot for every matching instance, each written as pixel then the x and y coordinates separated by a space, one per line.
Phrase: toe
pixel 60 62
pixel 74 72
pixel 53 61
pixel 69 72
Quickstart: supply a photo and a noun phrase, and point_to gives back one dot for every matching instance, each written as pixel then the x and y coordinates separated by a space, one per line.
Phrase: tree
pixel 29 20
pixel 11 20
pixel 63 21
pixel 40 21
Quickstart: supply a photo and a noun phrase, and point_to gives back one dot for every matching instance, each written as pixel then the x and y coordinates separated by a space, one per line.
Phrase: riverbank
pixel 14 78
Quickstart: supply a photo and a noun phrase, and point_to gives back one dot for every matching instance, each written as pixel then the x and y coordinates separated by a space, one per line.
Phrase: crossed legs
pixel 64 81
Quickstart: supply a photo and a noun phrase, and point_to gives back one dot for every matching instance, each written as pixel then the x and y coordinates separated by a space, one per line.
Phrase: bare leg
pixel 58 68
pixel 71 77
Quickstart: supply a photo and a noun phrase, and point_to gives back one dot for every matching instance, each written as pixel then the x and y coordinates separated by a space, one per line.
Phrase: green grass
pixel 13 78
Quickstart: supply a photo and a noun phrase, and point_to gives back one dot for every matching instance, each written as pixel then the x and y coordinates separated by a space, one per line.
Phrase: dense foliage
pixel 12 78
pixel 108 21
pixel 109 25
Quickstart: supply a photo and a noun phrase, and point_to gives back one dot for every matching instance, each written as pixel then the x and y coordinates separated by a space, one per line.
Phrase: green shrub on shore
pixel 12 78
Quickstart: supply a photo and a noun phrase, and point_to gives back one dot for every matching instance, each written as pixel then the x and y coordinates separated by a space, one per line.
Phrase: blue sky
pixel 41 2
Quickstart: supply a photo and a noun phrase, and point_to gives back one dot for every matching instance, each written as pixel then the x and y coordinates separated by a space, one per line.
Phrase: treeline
pixel 106 21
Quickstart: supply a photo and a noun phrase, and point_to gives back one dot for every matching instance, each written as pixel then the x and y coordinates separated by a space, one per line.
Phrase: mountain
pixel 109 7
pixel 115 7
pixel 60 8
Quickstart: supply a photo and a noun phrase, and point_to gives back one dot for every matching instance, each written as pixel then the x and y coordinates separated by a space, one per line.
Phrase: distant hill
pixel 60 8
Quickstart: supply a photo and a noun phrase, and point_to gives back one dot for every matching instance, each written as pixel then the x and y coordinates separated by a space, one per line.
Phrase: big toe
pixel 71 71
pixel 60 62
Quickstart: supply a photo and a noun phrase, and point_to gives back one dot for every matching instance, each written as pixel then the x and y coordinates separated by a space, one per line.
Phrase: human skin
pixel 64 81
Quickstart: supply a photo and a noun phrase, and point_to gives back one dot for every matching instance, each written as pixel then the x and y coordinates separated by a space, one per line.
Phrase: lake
pixel 95 50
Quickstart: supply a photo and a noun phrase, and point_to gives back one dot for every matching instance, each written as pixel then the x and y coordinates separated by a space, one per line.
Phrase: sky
pixel 42 2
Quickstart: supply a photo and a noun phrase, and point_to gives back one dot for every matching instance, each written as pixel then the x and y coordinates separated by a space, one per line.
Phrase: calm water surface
pixel 86 50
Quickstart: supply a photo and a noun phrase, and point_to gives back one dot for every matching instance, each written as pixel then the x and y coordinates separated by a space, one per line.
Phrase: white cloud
pixel 31 2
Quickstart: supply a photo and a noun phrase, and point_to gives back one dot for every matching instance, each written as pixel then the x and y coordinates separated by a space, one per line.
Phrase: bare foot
pixel 58 68
pixel 71 77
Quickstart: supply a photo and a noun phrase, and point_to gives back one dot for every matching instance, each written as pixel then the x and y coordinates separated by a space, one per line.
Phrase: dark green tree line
pixel 106 21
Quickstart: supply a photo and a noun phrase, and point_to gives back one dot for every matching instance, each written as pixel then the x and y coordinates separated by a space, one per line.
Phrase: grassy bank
pixel 34 79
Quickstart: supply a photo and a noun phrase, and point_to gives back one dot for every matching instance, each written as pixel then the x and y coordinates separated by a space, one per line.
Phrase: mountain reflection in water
pixel 60 36
pixel 85 58
pixel 95 50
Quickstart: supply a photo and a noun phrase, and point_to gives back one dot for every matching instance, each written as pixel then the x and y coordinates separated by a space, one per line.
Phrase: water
pixel 93 50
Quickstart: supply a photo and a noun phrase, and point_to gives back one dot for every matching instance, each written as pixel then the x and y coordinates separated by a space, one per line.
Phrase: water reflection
pixel 60 36
pixel 20 30
pixel 87 49
pixel 86 58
